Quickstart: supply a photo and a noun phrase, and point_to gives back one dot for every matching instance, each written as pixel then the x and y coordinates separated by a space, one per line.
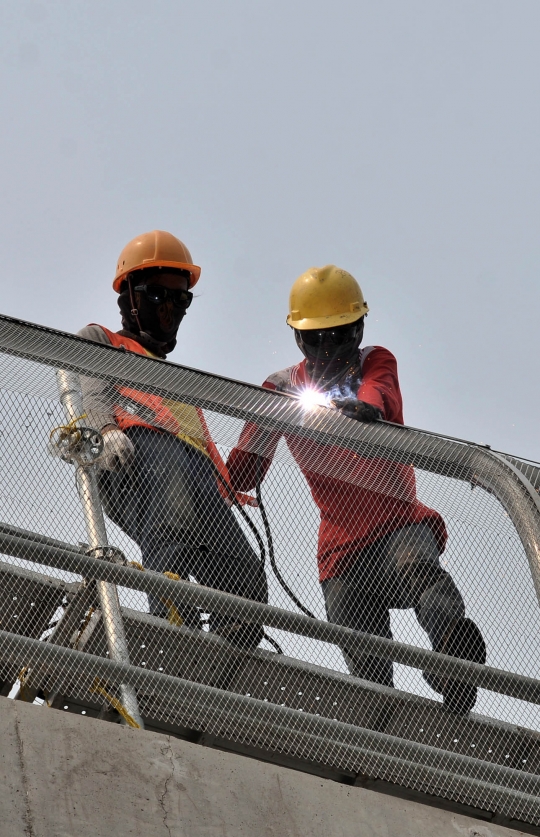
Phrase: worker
pixel 379 546
pixel 161 477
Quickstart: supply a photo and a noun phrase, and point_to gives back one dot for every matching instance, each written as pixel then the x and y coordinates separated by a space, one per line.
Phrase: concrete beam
pixel 68 776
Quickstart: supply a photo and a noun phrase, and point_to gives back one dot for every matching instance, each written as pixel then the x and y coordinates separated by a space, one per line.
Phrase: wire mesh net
pixel 119 527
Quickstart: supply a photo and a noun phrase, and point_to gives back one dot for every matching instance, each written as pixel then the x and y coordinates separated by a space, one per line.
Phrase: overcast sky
pixel 399 140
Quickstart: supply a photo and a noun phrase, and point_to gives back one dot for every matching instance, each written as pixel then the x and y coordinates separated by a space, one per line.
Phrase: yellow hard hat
pixel 325 297
pixel 155 249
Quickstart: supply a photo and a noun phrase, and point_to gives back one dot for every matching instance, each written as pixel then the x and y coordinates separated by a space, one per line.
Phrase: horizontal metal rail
pixel 259 674
pixel 311 733
pixel 41 552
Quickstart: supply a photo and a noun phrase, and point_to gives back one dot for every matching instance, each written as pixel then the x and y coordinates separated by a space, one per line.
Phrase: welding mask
pixel 330 342
pixel 330 350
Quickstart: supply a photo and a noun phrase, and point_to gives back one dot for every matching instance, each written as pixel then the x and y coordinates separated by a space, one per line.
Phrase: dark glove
pixel 359 410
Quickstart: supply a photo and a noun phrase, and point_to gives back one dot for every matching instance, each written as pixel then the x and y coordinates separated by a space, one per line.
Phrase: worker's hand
pixel 359 410
pixel 118 450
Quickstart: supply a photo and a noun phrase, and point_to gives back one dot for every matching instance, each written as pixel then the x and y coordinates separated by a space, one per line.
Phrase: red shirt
pixel 360 500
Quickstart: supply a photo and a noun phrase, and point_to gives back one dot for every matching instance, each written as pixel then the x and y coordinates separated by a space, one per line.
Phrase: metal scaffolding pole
pixel 71 399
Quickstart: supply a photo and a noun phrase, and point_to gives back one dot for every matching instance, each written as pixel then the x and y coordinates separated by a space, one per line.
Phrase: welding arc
pixel 270 542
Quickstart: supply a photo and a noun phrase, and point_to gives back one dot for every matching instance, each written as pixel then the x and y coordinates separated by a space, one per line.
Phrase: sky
pixel 397 140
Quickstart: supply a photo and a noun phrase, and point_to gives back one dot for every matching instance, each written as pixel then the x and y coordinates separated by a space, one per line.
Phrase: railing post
pixel 71 399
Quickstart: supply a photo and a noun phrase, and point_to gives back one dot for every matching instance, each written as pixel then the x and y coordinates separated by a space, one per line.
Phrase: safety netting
pixel 187 552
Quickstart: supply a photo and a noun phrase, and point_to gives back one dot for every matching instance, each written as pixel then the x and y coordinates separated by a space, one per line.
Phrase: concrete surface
pixel 66 776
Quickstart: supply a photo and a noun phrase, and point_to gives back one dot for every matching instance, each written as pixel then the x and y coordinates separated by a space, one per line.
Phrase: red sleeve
pixel 246 463
pixel 380 384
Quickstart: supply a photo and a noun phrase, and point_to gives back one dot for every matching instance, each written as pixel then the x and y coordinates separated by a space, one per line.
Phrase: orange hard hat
pixel 155 249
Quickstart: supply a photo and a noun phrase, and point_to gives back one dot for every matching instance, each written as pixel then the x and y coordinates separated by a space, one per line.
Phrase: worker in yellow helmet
pixel 161 477
pixel 379 546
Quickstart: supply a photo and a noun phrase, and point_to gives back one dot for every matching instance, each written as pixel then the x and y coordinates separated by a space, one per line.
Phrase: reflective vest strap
pixel 148 410
pixel 159 414
pixel 219 464
pixel 118 341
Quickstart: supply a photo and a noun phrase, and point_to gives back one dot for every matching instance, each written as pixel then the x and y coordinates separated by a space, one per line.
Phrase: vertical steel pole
pixel 69 389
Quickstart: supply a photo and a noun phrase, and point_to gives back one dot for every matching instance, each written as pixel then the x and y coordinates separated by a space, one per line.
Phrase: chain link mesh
pixel 162 648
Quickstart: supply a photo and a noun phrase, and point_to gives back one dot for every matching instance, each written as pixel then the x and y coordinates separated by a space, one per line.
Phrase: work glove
pixel 118 451
pixel 359 410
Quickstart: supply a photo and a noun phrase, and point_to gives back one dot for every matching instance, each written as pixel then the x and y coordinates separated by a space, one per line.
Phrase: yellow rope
pixel 173 617
pixel 172 576
pixel 66 429
pixel 98 689
pixel 22 677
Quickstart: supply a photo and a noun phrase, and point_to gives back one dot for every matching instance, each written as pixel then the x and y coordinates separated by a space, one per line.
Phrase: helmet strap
pixel 134 309
pixel 132 326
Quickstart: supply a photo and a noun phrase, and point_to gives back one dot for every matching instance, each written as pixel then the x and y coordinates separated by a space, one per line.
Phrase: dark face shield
pixel 329 351
pixel 161 310
pixel 331 344
pixel 152 310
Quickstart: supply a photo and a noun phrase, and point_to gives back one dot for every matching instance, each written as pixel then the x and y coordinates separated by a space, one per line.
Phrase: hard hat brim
pixel 193 269
pixel 327 322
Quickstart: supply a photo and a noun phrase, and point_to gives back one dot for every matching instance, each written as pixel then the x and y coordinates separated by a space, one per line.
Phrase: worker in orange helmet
pixel 161 477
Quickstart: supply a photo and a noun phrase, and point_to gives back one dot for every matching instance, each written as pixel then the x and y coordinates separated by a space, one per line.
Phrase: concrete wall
pixel 68 776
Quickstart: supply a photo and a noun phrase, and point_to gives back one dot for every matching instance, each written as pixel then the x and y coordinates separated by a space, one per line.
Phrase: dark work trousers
pixel 170 505
pixel 400 571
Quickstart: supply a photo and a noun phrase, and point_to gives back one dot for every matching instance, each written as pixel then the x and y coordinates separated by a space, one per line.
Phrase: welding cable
pixel 269 539
pixel 273 642
pixel 256 534
pixel 243 513
pixel 253 528
pixel 270 542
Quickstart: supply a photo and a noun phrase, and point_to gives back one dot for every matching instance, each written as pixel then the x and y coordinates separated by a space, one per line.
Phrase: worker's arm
pixel 380 384
pixel 97 394
pixel 355 409
pixel 249 461
pixel 98 400
pixel 379 395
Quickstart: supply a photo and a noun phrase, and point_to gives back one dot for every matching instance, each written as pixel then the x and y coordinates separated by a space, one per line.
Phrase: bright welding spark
pixel 310 398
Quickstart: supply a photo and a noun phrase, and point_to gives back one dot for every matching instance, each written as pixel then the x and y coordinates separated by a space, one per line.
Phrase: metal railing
pixel 74 621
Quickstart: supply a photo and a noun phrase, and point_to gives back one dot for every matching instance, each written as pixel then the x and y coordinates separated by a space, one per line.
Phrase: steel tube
pixel 71 400
pixel 527 518
pixel 319 738
pixel 496 680
pixel 35 537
